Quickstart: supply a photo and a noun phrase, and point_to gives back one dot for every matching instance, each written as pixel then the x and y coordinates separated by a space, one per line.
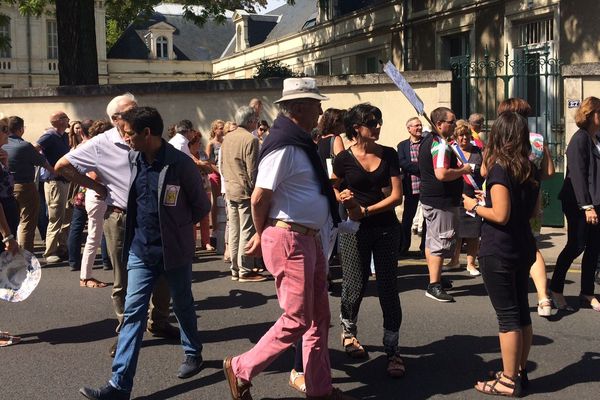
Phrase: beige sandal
pixel 6 339
pixel 297 381
pixel 92 283
pixel 352 347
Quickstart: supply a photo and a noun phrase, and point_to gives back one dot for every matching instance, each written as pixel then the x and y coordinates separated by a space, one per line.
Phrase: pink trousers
pixel 298 265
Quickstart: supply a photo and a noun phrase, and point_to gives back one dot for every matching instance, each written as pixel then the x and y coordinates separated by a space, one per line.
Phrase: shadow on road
pixel 94 331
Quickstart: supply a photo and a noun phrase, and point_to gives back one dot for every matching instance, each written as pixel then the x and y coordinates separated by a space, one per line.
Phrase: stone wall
pixel 580 81
pixel 204 101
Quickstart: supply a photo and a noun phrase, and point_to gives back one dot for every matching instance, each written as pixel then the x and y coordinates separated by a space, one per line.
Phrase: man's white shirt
pixel 107 156
pixel 297 196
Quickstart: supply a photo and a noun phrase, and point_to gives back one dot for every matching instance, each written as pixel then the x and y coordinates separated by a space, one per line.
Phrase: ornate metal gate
pixel 531 74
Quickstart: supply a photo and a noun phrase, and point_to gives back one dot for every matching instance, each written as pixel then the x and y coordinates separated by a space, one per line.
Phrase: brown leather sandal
pixel 92 283
pixel 489 387
pixel 352 347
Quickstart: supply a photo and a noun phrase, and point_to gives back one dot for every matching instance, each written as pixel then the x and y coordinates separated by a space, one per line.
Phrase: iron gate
pixel 531 74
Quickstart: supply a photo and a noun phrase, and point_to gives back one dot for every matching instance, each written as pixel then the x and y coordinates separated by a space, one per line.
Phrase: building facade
pixel 31 60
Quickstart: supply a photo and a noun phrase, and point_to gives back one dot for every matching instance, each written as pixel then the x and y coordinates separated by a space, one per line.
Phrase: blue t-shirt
pixel 54 145
pixel 147 241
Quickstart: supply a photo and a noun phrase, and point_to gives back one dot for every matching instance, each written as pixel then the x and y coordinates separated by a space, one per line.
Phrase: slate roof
pixel 280 22
pixel 190 42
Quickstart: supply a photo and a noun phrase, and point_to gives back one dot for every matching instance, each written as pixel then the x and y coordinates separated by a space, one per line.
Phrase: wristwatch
pixel 474 209
pixel 366 211
pixel 8 238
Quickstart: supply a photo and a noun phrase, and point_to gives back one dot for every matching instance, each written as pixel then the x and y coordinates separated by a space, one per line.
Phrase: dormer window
pixel 162 48
pixel 159 40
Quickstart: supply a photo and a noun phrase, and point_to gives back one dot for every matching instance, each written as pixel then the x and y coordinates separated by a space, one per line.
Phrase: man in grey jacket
pixel 239 155
pixel 22 160
pixel 164 203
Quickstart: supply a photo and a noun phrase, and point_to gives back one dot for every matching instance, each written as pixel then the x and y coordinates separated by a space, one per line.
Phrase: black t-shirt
pixel 367 186
pixel 514 240
pixel 434 192
pixel 325 149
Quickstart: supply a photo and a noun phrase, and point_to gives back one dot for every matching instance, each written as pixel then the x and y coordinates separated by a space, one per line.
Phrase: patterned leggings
pixel 356 249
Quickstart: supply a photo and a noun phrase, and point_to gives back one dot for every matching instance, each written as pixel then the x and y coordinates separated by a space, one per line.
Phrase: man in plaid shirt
pixel 408 154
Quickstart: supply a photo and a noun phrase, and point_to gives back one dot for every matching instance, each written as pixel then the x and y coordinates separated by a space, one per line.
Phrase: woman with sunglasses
pixel 369 171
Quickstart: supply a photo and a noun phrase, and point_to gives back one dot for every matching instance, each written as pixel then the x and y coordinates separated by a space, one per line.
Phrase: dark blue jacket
pixel 177 221
pixel 408 167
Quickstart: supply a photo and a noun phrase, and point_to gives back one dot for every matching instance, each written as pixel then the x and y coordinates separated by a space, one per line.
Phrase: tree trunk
pixel 77 53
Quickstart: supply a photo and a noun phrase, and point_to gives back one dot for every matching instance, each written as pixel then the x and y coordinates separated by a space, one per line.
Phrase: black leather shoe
pixel 166 331
pixel 113 349
pixel 107 392
pixel 190 367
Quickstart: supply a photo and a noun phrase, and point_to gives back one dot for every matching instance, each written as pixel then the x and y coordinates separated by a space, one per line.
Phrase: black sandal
pixel 490 388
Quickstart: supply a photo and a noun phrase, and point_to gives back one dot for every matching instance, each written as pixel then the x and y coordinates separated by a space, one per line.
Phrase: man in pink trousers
pixel 292 200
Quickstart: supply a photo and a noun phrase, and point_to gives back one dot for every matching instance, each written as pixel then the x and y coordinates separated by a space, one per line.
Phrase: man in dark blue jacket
pixel 165 202
pixel 408 154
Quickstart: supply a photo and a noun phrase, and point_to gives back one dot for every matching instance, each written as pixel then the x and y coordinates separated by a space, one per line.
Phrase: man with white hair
pixel 239 156
pixel 292 200
pixel 108 156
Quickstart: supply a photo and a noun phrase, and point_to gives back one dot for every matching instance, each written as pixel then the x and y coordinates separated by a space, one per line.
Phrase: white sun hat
pixel 300 88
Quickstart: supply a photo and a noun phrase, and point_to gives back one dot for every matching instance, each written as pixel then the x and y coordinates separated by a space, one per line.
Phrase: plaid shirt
pixel 415 181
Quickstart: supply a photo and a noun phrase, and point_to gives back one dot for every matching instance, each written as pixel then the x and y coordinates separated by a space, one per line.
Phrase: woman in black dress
pixel 368 170
pixel 508 248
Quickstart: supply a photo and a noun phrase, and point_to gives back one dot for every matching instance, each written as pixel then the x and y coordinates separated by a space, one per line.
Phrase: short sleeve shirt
pixel 513 241
pixel 22 159
pixel 367 186
pixel 441 152
pixel 297 195
pixel 106 155
pixel 54 146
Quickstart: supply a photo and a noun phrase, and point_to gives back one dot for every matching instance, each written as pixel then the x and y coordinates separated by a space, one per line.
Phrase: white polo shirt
pixel 296 190
pixel 180 142
pixel 107 156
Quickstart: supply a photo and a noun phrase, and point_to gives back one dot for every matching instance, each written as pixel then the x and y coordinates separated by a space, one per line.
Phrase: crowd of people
pixel 145 201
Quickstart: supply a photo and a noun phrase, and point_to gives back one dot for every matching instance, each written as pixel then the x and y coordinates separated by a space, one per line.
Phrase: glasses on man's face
pixel 372 123
pixel 451 122
pixel 128 133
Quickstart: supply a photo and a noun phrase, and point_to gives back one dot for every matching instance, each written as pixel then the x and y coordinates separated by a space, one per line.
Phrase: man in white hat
pixel 291 201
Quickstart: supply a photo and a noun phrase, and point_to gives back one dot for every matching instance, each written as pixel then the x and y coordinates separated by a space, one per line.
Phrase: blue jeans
pixel 141 280
pixel 75 240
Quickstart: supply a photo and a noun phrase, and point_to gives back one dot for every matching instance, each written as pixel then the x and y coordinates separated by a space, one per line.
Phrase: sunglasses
pixel 262 129
pixel 372 123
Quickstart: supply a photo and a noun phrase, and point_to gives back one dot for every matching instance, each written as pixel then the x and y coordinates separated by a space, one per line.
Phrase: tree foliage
pixel 273 69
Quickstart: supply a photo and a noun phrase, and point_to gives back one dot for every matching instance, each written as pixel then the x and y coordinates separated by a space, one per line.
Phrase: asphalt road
pixel 67 331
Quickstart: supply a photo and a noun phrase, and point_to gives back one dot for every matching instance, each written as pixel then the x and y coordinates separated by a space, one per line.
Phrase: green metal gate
pixel 531 74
